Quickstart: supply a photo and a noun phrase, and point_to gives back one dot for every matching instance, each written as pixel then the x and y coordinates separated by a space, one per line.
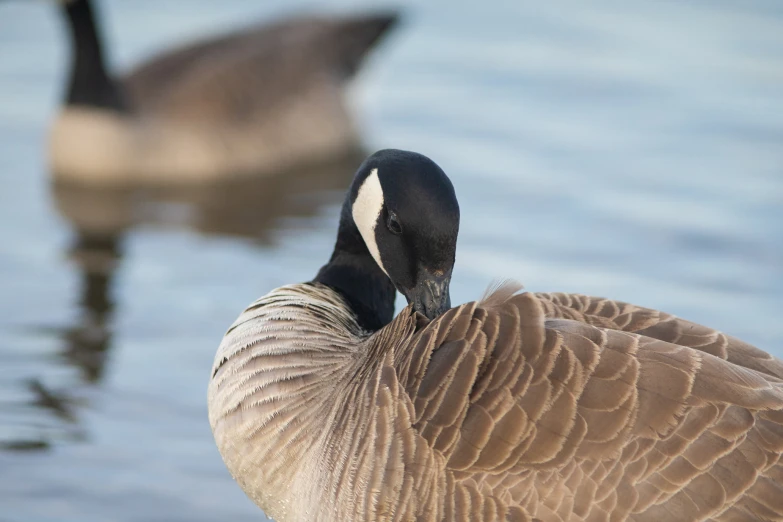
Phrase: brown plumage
pixel 550 407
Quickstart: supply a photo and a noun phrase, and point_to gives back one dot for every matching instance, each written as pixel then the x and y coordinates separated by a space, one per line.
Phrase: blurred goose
pixel 550 407
pixel 254 101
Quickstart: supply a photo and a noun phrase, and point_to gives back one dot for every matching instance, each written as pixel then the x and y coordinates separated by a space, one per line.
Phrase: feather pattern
pixel 551 407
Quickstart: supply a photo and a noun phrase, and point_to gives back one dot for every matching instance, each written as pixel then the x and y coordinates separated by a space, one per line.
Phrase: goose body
pixel 259 100
pixel 551 407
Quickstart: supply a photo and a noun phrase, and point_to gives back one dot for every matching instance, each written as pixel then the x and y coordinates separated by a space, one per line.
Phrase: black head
pixel 405 209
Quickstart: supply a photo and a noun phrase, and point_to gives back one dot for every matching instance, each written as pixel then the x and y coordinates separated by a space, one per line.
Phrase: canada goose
pixel 516 407
pixel 257 100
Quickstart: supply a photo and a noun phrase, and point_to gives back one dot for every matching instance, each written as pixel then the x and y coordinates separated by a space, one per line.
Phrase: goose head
pixel 406 211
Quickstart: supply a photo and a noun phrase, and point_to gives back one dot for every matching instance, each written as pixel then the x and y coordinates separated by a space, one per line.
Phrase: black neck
pixel 90 85
pixel 353 272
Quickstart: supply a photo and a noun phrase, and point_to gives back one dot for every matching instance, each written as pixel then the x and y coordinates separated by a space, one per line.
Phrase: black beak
pixel 431 295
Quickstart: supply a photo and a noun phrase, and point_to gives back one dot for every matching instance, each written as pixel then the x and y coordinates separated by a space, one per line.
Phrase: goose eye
pixel 393 224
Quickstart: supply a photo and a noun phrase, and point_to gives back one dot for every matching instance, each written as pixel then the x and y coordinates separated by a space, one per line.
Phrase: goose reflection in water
pixel 100 218
pixel 50 412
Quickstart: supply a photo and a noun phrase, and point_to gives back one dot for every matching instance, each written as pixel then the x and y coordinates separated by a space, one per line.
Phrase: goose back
pixel 249 74
pixel 518 407
pixel 618 315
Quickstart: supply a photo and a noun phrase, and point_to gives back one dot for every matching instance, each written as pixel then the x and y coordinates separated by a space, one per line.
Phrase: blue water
pixel 626 149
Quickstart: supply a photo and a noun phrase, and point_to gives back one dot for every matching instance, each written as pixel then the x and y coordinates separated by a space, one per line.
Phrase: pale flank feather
pixel 499 291
pixel 519 407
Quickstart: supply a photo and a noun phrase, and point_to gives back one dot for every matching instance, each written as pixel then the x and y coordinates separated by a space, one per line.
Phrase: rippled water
pixel 633 150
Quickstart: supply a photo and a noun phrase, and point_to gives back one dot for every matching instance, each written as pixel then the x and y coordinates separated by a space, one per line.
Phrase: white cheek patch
pixel 365 211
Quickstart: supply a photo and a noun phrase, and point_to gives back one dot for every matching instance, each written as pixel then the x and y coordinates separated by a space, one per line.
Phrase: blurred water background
pixel 626 149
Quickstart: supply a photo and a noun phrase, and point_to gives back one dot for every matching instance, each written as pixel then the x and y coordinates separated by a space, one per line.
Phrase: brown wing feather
pixel 248 74
pixel 549 405
pixel 617 315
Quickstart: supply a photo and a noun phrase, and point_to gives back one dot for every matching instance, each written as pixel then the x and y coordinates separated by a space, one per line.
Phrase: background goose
pixel 515 407
pixel 257 100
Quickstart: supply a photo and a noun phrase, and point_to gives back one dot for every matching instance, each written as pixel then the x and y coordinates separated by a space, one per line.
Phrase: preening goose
pixel 259 100
pixel 550 407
